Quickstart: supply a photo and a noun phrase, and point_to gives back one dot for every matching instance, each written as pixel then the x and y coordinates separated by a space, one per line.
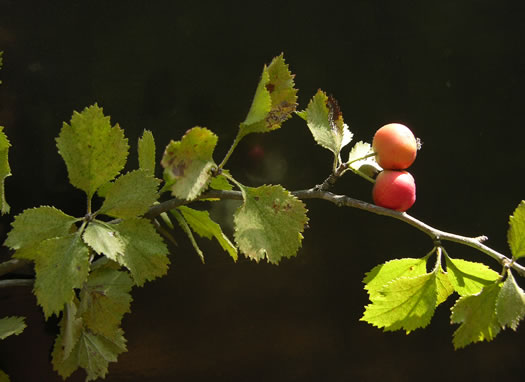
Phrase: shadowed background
pixel 453 72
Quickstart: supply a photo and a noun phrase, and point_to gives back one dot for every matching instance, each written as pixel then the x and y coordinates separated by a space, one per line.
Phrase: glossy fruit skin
pixel 395 146
pixel 395 190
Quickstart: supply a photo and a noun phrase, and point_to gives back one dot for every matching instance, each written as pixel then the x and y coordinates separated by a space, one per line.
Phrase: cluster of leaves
pixel 404 295
pixel 87 266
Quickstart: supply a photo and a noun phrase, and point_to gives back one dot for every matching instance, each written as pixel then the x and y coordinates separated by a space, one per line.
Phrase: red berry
pixel 395 190
pixel 395 146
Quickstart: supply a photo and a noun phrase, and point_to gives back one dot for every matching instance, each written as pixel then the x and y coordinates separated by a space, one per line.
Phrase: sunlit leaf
pixel 5 170
pixel 94 151
pixel 269 224
pixel 516 233
pixel 468 277
pixel 188 163
pixel 510 306
pixel 147 152
pixel 477 316
pixel 131 195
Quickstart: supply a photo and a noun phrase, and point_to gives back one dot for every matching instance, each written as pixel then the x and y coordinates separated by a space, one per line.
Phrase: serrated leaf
pixel 477 316
pixel 468 277
pixel 131 195
pixel 510 305
pixel 269 224
pixel 94 151
pixel 37 224
pixel 325 121
pixel 104 300
pixel 360 150
pixel 405 303
pixel 5 170
pixel 516 232
pixel 204 226
pixel 92 352
pixel 147 152
pixel 145 254
pixel 383 274
pixel 61 265
pixel 274 101
pixel 11 326
pixel 188 163
pixel 104 239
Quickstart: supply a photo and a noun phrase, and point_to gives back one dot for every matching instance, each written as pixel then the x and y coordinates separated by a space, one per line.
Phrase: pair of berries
pixel 396 148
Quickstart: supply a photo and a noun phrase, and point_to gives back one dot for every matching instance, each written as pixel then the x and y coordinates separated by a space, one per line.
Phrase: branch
pixel 342 200
pixel 16 282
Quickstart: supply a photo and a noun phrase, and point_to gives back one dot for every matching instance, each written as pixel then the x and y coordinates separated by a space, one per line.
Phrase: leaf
pixel 516 232
pixel 383 274
pixel 468 277
pixel 325 121
pixel 131 195
pixel 61 265
pixel 220 182
pixel 11 326
pixel 269 223
pixel 94 151
pixel 37 224
pixel 92 352
pixel 3 376
pixel 188 163
pixel 104 300
pixel 360 150
pixel 510 305
pixel 444 286
pixel 104 239
pixel 477 316
pixel 187 230
pixel 204 226
pixel 5 170
pixel 147 152
pixel 145 254
pixel 71 328
pixel 405 303
pixel 274 101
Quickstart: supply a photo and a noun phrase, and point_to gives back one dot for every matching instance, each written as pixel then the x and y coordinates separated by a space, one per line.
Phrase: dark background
pixel 453 71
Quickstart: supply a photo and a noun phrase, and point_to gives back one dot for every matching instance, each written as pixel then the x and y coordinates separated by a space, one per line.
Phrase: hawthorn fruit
pixel 395 190
pixel 395 146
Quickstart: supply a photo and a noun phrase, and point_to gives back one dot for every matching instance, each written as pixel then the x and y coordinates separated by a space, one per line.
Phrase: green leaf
pixel 443 285
pixel 405 303
pixel 468 277
pixel 510 306
pixel 147 152
pixel 104 300
pixel 94 151
pixel 61 265
pixel 37 224
pixel 274 101
pixel 71 327
pixel 11 326
pixel 131 195
pixel 188 163
pixel 325 121
pixel 516 232
pixel 221 182
pixel 3 376
pixel 104 239
pixel 477 316
pixel 145 254
pixel 204 226
pixel 187 230
pixel 92 352
pixel 5 170
pixel 383 274
pixel 269 223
